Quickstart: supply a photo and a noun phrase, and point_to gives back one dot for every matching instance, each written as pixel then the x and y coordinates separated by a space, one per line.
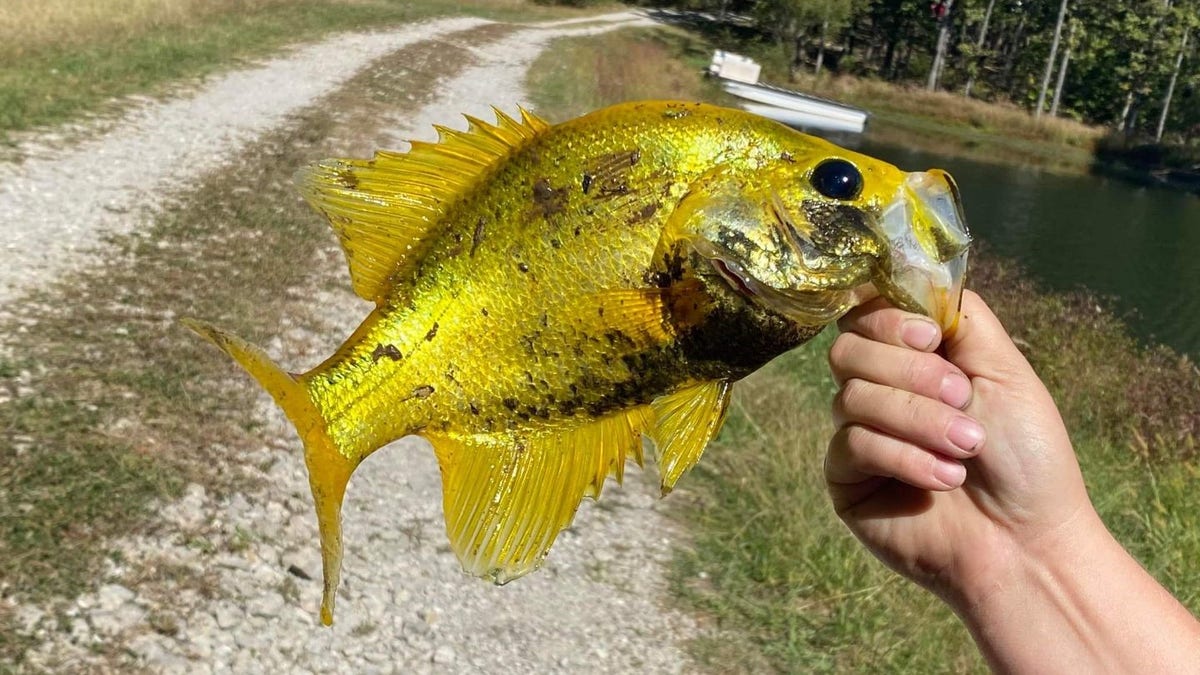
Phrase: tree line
pixel 1133 65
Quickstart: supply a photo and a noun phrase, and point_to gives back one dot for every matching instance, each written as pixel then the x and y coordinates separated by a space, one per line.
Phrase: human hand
pixel 951 469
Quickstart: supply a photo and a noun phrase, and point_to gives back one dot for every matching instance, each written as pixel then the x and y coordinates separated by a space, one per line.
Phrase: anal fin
pixel 507 496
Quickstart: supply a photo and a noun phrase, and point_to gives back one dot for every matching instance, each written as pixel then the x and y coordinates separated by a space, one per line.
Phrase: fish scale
pixel 545 296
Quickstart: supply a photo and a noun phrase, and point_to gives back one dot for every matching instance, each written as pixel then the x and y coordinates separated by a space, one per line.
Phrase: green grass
pixel 51 83
pixel 784 584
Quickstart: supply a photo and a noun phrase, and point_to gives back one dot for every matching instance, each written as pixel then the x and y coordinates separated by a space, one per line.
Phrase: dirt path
pixel 596 606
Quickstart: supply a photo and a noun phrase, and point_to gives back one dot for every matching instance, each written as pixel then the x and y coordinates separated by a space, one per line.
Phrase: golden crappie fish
pixel 547 295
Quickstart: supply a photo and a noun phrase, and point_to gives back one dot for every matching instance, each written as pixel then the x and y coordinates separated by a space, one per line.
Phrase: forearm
pixel 1089 608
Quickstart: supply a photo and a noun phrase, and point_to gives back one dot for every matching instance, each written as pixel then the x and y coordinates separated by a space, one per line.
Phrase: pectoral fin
pixel 685 422
pixel 507 496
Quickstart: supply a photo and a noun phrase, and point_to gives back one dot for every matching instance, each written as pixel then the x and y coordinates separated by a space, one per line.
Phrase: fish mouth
pixel 928 243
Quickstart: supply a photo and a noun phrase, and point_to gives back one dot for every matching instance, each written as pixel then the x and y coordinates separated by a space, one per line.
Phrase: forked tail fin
pixel 328 468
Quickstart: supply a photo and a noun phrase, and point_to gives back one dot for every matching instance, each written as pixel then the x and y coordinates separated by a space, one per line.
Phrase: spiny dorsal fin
pixel 685 421
pixel 384 210
pixel 507 497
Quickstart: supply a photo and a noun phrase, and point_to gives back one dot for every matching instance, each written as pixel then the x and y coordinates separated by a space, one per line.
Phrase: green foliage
pixel 1121 58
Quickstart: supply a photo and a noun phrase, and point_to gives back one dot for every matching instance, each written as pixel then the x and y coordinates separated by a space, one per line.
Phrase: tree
pixel 1041 102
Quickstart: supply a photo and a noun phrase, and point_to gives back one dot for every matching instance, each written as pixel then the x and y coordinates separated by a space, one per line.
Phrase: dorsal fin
pixel 385 209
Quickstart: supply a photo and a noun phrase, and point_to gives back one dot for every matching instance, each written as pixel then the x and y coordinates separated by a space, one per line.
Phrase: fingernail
pixel 950 474
pixel 919 334
pixel 955 390
pixel 965 433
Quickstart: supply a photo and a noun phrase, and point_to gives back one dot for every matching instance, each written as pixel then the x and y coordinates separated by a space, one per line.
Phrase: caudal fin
pixel 328 468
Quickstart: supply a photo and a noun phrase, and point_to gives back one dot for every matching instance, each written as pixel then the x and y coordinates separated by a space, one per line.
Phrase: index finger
pixel 879 321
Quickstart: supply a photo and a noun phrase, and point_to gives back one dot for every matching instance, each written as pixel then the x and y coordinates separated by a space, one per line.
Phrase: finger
pixel 929 375
pixel 879 321
pixel 858 453
pixel 981 346
pixel 916 419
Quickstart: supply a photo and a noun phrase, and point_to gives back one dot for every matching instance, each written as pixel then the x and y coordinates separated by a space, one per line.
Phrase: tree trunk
pixel 1062 72
pixel 1124 125
pixel 987 17
pixel 1041 102
pixel 1166 108
pixel 1011 60
pixel 821 49
pixel 943 40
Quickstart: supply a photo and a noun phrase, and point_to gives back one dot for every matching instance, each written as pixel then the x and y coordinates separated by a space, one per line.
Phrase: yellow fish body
pixel 545 295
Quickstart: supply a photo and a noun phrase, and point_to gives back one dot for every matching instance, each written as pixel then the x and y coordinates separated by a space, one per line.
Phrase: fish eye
pixel 837 179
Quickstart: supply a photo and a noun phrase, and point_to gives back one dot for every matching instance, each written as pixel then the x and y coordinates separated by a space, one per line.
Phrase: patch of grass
pixel 948 123
pixel 575 76
pixel 61 59
pixel 107 403
pixel 786 585
pixel 792 591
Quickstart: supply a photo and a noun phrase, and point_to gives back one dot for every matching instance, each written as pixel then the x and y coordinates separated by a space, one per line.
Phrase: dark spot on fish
pixel 574 389
pixel 555 243
pixel 458 237
pixel 477 236
pixel 388 350
pixel 548 200
pixel 540 413
pixel 423 391
pixel 348 180
pixel 616 337
pixel 587 182
pixel 511 403
pixel 673 114
pixel 643 213
pixel 432 333
pixel 489 423
pixel 483 310
pixel 569 407
pixel 528 377
pixel 474 408
pixel 600 310
pixel 654 278
pixel 577 229
pixel 525 417
pixel 522 267
pixel 635 157
pixel 787 157
pixel 613 190
pixel 529 344
pixel 545 320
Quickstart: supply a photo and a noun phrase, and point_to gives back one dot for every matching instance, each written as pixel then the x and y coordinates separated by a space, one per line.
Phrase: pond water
pixel 1141 246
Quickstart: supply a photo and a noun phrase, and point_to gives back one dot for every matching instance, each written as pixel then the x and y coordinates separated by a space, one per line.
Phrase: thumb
pixel 981 347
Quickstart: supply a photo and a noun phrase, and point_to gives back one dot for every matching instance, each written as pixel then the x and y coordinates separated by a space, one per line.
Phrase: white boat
pixel 784 105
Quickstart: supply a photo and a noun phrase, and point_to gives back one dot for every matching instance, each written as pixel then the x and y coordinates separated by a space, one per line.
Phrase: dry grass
pixel 31 26
pixel 947 107
pixel 620 66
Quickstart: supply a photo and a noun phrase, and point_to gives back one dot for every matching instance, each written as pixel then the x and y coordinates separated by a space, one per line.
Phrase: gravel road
pixel 597 606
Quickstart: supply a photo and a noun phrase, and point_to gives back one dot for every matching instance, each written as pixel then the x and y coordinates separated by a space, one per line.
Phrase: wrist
pixel 1077 602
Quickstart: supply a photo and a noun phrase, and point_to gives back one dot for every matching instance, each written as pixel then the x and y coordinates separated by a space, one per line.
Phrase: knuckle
pixel 923 373
pixel 852 395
